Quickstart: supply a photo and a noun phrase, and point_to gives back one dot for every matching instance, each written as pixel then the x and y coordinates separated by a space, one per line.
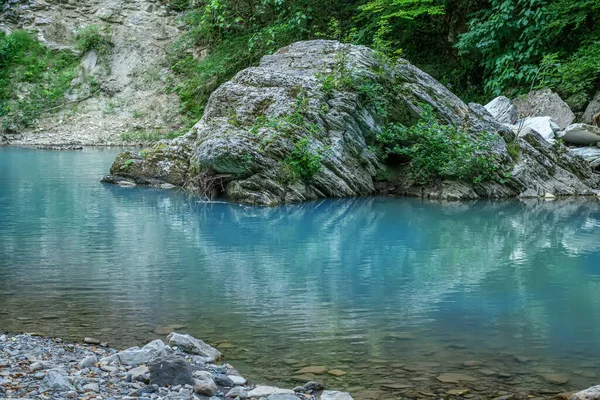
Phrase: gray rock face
pixel 136 356
pixel 171 370
pixel 56 381
pixel 581 134
pixel 592 109
pixel 502 110
pixel 242 146
pixel 192 345
pixel 589 154
pixel 545 103
pixel 592 393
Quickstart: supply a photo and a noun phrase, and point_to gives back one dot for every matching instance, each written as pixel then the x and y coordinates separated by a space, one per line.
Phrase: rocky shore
pixel 34 367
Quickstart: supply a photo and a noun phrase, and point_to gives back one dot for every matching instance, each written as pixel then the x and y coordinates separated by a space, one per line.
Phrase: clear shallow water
pixel 392 291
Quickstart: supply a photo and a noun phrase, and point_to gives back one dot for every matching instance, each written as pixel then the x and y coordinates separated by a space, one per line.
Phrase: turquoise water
pixel 392 291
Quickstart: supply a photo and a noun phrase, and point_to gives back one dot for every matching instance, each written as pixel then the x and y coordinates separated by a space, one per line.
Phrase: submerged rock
pixel 293 129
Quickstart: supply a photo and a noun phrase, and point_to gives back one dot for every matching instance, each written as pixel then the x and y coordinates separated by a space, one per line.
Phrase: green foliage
pixel 93 38
pixel 303 161
pixel 33 78
pixel 436 151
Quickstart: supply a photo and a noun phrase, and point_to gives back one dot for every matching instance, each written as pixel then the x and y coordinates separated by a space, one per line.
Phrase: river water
pixel 394 292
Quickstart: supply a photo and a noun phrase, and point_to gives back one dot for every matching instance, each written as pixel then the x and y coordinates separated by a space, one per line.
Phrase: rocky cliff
pixel 286 131
pixel 129 93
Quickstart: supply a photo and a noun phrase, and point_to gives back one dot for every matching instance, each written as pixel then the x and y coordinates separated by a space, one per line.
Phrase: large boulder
pixel 592 109
pixel 545 103
pixel 581 134
pixel 136 356
pixel 191 345
pixel 171 370
pixel 503 110
pixel 298 127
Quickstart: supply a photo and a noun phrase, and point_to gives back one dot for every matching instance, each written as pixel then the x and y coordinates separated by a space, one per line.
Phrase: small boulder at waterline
pixel 502 110
pixel 592 393
pixel 581 134
pixel 171 370
pixel 136 356
pixel 191 345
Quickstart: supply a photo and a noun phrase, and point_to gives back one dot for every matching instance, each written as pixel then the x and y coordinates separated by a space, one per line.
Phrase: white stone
pixel 91 387
pixel 237 380
pixel 333 395
pixel 136 356
pixel 190 344
pixel 87 362
pixel 590 154
pixel 592 393
pixel 542 125
pixel 264 391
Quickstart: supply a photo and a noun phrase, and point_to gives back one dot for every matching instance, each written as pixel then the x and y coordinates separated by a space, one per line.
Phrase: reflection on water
pixel 393 291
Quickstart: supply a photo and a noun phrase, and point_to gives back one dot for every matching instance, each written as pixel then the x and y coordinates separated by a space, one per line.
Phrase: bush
pixel 33 78
pixel 92 38
pixel 304 162
pixel 436 151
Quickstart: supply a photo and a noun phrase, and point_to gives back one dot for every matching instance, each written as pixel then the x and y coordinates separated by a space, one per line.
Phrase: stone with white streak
pixel 190 344
pixel 545 126
pixel 592 393
pixel 581 134
pixel 502 110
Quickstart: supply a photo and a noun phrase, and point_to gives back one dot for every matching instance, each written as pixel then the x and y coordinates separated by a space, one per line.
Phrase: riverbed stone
pixel 190 344
pixel 170 370
pixel 223 380
pixel 239 392
pixel 316 369
pixel 237 380
pixel 458 392
pixel 473 363
pixel 55 380
pixel 87 362
pixel 264 391
pixel 91 340
pixel 556 378
pixel 91 387
pixel 592 393
pixel 452 377
pixel 336 372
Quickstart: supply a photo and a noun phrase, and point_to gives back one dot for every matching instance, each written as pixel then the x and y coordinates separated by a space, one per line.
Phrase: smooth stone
pixel 581 134
pixel 335 395
pixel 202 375
pixel 136 356
pixel 336 372
pixel 317 370
pixel 264 391
pixel 237 380
pixel 205 387
pixel 139 373
pixel 90 340
pixel 282 397
pixel 37 366
pixel 223 380
pixel 455 378
pixel 487 372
